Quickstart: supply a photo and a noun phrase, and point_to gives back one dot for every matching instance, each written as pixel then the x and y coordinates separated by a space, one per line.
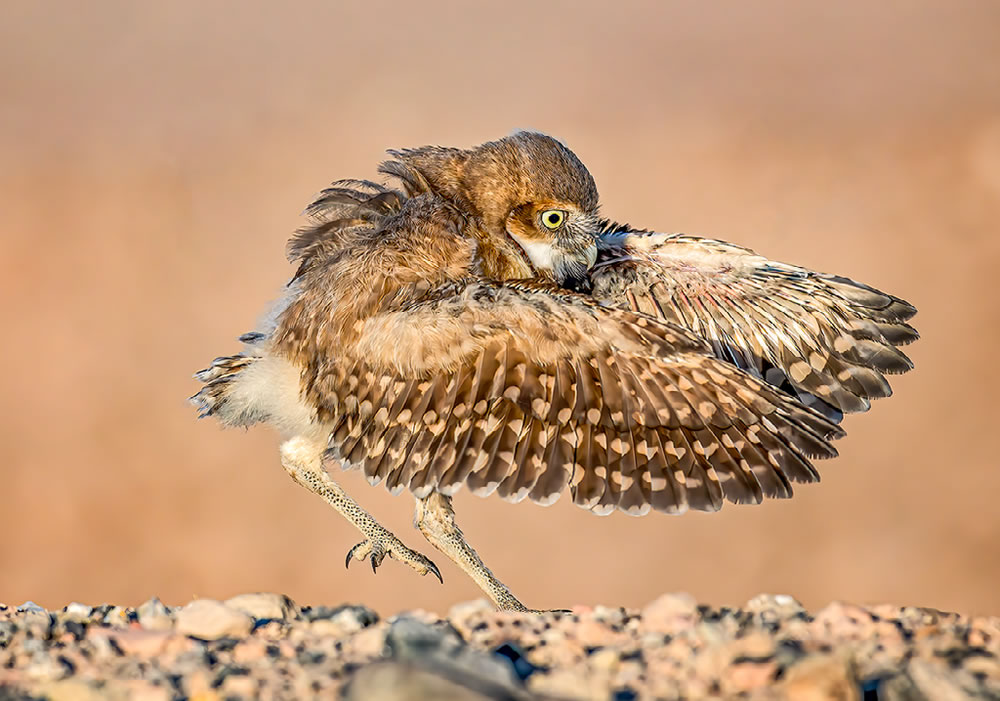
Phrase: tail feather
pixel 215 398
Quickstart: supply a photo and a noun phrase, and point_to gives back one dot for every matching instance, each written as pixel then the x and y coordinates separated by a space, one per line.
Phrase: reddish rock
pixel 210 620
pixel 143 643
pixel 747 676
pixel 821 678
pixel 670 613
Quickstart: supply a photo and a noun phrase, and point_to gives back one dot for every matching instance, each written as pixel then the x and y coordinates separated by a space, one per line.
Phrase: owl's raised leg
pixel 303 460
pixel 435 518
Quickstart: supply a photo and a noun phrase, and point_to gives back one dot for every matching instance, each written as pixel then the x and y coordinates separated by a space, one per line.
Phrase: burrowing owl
pixel 482 325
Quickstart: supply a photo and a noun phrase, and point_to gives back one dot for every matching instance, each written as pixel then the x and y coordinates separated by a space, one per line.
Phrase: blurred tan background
pixel 154 157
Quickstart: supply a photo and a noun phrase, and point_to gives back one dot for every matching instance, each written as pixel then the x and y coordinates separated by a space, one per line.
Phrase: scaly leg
pixel 435 518
pixel 302 459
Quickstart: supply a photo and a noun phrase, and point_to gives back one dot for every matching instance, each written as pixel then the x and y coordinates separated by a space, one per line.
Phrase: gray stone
pixel 362 614
pixel 154 615
pixel 395 681
pixel 441 649
pixel 34 618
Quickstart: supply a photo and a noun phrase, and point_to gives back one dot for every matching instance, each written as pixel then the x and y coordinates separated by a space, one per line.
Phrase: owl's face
pixel 549 201
pixel 558 237
pixel 527 187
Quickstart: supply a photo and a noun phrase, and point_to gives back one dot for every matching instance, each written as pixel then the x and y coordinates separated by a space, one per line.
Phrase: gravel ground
pixel 265 646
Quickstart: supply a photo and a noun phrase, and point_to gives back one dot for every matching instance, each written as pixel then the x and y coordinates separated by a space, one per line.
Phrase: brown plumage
pixel 481 326
pixel 828 338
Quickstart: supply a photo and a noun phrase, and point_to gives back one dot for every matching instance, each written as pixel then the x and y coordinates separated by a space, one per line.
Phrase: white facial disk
pixel 539 253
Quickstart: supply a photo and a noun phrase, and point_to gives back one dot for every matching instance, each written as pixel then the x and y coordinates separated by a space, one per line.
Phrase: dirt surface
pixel 265 646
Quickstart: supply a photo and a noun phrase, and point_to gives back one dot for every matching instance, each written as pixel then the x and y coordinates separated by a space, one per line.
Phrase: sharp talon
pixel 378 551
pixel 350 554
pixel 436 572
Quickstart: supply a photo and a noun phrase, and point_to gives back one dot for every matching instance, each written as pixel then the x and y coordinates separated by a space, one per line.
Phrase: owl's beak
pixel 564 257
pixel 571 266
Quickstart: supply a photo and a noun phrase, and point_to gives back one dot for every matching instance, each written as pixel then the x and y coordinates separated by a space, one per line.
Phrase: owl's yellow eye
pixel 553 218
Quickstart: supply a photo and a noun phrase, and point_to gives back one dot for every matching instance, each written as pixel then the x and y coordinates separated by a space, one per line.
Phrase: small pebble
pixel 143 643
pixel 364 615
pixel 154 615
pixel 262 606
pixel 670 613
pixel 210 620
pixel 263 646
pixel 118 617
pixel 77 611
pixel 781 605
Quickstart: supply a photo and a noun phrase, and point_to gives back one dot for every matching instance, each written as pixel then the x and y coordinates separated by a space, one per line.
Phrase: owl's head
pixel 527 186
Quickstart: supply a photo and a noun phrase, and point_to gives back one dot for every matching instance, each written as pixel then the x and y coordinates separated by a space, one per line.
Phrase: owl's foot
pixel 435 518
pixel 505 601
pixel 302 459
pixel 387 544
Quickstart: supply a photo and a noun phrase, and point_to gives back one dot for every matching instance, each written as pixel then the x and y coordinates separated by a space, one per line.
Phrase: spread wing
pixel 523 389
pixel 824 337
pixel 549 391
